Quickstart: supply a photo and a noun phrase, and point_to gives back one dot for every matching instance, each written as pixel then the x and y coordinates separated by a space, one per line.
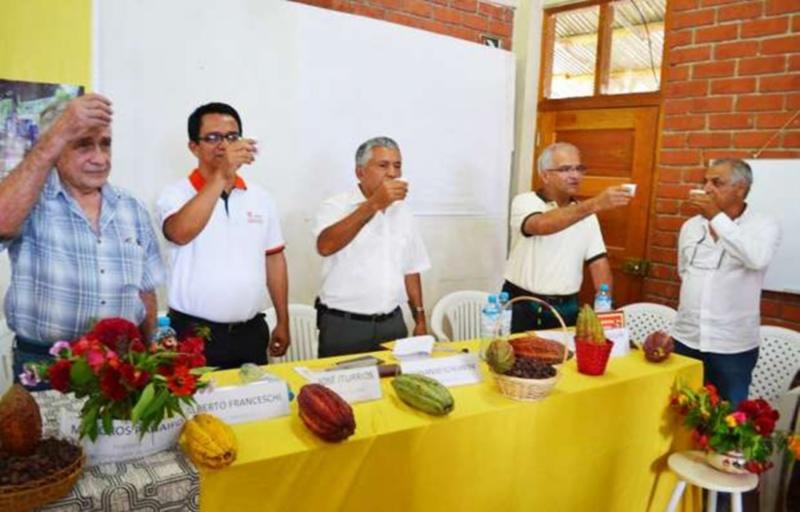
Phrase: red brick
pixel 791 312
pixel 475 21
pixel 794 62
pixel 759 102
pixel 417 8
pixel 684 5
pixel 692 54
pixel 770 308
pixel 678 73
pixel 714 104
pixel 679 157
pixel 781 6
pixel 776 120
pixel 694 176
pixel 662 239
pixel 446 14
pixel 687 209
pixel 792 101
pixel 752 139
pixel 736 49
pixel 764 27
pixel 669 223
pixel 465 5
pixel 501 28
pixel 791 139
pixel 369 11
pixel 669 175
pixel 676 140
pixel 394 5
pixel 678 38
pixel 726 153
pixel 684 122
pixel 493 11
pixel 796 24
pixel 693 18
pixel 717 33
pixel 709 140
pixel 710 3
pixel 733 85
pixel 730 121
pixel 743 11
pixel 771 153
pixel 677 106
pixel 662 271
pixel 667 206
pixel 779 83
pixel 714 69
pixel 787 44
pixel 663 255
pixel 762 65
pixel 684 89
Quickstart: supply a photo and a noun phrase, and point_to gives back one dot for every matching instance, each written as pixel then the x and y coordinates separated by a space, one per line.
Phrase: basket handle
pixel 521 298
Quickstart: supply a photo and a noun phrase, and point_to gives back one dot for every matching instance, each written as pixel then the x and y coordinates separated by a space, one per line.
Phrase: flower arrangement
pixel 749 429
pixel 123 376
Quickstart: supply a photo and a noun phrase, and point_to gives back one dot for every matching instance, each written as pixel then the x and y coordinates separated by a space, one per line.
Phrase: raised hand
pixel 706 204
pixel 82 114
pixel 239 153
pixel 612 197
pixel 389 192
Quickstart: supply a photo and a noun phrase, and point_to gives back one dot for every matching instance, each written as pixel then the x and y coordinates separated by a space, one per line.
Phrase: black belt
pixel 379 317
pixel 31 346
pixel 553 300
pixel 222 325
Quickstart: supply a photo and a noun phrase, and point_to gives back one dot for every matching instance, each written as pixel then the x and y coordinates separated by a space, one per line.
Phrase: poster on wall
pixel 20 106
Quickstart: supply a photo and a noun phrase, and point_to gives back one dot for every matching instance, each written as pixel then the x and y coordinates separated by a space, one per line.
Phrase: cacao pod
pixel 208 441
pixel 658 346
pixel 20 421
pixel 424 393
pixel 540 349
pixel 500 356
pixel 325 413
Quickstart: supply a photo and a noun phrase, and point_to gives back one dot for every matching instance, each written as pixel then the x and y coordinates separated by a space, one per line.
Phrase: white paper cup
pixel 697 192
pixel 630 187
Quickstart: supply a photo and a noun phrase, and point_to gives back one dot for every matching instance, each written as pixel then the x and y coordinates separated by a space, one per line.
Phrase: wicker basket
pixel 37 493
pixel 529 389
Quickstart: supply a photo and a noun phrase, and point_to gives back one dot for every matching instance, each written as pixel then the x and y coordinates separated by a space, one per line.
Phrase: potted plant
pixel 130 385
pixel 736 440
pixel 592 349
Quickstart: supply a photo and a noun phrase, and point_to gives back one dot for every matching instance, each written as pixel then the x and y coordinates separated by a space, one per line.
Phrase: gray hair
pixel 740 170
pixel 52 112
pixel 364 151
pixel 546 158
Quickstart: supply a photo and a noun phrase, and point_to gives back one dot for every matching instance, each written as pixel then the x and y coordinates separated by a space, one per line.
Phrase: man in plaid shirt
pixel 80 249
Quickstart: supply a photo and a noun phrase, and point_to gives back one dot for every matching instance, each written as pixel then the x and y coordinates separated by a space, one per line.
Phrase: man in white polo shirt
pixel 553 236
pixel 225 245
pixel 373 257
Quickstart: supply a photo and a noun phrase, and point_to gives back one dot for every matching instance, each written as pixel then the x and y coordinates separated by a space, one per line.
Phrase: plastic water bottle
pixel 506 313
pixel 489 315
pixel 164 334
pixel 602 301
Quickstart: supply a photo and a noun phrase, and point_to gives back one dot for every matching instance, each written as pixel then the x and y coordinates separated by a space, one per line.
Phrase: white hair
pixel 546 158
pixel 364 151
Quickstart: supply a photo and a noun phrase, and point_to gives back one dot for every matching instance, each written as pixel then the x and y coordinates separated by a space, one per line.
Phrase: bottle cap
pixel 492 298
pixel 163 321
pixel 503 296
pixel 603 287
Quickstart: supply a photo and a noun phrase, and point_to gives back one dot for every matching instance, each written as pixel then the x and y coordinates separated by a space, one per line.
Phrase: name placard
pixel 352 384
pixel 241 404
pixel 450 371
pixel 414 346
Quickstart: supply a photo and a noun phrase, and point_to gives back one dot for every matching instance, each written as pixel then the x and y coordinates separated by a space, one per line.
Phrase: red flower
pixel 713 394
pixel 96 358
pixel 134 377
pixel 700 439
pixel 116 333
pixel 111 386
pixel 191 352
pixel 59 375
pixel 181 382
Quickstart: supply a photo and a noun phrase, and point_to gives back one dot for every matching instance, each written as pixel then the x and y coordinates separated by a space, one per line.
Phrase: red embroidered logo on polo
pixel 254 218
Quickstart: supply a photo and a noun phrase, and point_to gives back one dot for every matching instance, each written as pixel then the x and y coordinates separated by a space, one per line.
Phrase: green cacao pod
pixel 500 356
pixel 325 413
pixel 424 393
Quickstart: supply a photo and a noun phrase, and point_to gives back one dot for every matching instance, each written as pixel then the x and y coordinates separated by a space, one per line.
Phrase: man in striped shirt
pixel 80 249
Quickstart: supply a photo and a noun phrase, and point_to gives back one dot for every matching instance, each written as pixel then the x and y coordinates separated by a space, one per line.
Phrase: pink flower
pixel 95 358
pixel 58 347
pixel 29 376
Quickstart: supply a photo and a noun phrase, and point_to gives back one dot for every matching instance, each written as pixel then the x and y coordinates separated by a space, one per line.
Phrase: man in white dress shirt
pixel 723 254
pixel 373 256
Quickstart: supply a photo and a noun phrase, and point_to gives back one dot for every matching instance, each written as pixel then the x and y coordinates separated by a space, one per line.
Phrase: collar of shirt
pixel 198 181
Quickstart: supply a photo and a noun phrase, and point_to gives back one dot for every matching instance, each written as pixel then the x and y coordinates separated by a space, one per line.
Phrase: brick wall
pixel 464 19
pixel 733 80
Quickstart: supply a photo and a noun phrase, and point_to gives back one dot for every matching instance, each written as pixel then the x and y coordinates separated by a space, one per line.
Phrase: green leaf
pixel 108 423
pixel 144 401
pixel 88 427
pixel 80 373
pixel 200 370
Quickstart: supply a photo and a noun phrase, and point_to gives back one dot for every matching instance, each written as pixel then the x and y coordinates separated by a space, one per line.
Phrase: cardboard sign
pixel 353 384
pixel 622 341
pixel 240 404
pixel 612 319
pixel 414 346
pixel 450 371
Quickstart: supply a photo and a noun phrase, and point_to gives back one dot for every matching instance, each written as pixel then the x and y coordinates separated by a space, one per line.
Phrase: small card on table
pixel 450 371
pixel 352 384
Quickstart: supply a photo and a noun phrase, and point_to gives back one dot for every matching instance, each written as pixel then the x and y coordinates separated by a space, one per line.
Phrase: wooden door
pixel 618 146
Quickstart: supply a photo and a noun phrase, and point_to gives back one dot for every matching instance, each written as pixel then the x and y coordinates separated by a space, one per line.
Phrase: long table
pixel 595 443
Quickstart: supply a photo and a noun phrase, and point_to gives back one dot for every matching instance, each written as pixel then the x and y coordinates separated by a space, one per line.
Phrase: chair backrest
pixel 462 310
pixel 778 362
pixel 644 318
pixel 302 329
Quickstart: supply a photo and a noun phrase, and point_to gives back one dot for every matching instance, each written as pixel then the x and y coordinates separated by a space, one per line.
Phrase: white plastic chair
pixel 644 318
pixel 691 468
pixel 462 310
pixel 303 331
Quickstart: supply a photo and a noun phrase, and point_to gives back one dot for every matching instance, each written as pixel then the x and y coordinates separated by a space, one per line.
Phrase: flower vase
pixel 592 357
pixel 730 462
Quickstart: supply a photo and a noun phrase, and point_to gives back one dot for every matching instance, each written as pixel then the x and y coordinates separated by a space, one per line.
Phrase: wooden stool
pixel 691 467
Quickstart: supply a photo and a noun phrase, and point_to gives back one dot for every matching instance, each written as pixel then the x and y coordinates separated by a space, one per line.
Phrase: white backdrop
pixel 311 84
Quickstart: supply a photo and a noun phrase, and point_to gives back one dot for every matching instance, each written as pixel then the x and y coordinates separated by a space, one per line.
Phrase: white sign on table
pixel 240 404
pixel 415 346
pixel 450 371
pixel 352 384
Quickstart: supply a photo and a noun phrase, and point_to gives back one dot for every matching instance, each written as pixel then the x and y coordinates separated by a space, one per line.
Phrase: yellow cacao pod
pixel 208 441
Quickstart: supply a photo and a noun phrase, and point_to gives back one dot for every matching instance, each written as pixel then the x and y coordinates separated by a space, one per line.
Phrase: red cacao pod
pixel 20 421
pixel 540 349
pixel 325 413
pixel 658 346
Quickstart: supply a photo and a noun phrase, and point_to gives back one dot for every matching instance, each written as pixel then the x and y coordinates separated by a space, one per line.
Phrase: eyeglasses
pixel 707 259
pixel 216 137
pixel 564 169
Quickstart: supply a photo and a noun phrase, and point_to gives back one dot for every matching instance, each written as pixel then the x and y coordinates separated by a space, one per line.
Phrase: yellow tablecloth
pixel 594 444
